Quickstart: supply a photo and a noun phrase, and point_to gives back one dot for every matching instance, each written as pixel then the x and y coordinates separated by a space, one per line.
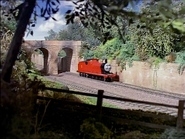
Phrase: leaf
pixel 46 18
pixel 74 3
pixel 178 25
pixel 76 14
pixel 182 11
pixel 31 32
pixel 108 27
pixel 53 3
pixel 67 22
pixel 54 11
pixel 54 18
pixel 68 11
pixel 67 16
pixel 58 1
pixel 107 34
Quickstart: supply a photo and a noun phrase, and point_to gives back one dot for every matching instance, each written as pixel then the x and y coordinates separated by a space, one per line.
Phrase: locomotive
pixel 92 68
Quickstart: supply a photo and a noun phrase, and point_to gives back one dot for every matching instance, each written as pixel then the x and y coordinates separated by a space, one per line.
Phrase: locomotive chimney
pixel 105 60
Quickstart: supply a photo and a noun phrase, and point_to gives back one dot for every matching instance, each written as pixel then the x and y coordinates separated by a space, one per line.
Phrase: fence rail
pixel 100 96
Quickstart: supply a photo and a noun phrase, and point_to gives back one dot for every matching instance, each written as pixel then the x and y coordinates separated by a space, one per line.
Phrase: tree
pixel 76 32
pixel 104 14
pixel 25 11
pixel 15 45
pixel 52 35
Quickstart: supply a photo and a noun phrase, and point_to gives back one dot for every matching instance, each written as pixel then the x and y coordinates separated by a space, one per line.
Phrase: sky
pixel 42 27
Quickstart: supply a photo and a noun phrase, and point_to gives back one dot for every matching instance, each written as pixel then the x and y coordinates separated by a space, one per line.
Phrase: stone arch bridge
pixel 52 64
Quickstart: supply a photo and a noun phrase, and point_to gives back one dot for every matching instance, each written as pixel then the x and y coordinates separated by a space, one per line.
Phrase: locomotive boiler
pixel 92 68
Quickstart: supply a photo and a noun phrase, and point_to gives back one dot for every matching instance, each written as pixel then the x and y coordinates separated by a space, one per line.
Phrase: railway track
pixel 80 86
pixel 147 90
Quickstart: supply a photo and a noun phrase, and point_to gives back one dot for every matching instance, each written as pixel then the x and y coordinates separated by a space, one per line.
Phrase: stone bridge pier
pixel 52 63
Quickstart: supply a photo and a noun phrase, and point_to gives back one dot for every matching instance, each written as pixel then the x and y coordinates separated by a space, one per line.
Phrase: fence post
pixel 179 123
pixel 99 102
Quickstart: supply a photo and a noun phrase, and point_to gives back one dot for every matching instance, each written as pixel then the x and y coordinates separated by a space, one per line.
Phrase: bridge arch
pixel 64 63
pixel 40 59
pixel 50 51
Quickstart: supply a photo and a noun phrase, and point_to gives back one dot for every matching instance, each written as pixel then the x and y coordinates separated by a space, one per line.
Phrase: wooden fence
pixel 100 96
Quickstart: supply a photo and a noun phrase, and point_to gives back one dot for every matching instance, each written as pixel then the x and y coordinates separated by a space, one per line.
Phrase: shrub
pixel 173 134
pixel 92 129
pixel 181 60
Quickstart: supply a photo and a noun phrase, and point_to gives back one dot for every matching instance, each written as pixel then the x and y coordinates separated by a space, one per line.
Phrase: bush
pixel 92 129
pixel 135 135
pixel 181 60
pixel 173 134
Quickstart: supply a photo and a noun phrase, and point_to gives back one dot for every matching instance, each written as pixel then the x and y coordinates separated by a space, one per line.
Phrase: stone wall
pixel 164 78
pixel 38 60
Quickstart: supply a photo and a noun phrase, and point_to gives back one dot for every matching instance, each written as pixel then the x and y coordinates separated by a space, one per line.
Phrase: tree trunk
pixel 16 42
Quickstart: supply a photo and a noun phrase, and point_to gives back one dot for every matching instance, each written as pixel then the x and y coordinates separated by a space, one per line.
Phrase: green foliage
pixel 52 35
pixel 18 105
pixel 156 37
pixel 181 68
pixel 155 43
pixel 92 129
pixel 157 61
pixel 7 25
pixel 167 13
pixel 154 61
pixel 135 135
pixel 181 60
pixel 127 54
pixel 114 49
pixel 173 134
pixel 62 53
pixel 6 34
pixel 76 32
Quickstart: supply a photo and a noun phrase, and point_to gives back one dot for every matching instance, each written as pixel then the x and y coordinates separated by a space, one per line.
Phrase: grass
pixel 84 99
pixel 46 82
pixel 93 101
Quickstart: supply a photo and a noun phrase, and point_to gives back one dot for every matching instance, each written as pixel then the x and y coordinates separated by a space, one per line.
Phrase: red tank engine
pixel 92 68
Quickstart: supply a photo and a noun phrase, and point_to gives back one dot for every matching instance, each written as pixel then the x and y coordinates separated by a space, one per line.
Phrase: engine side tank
pixel 92 65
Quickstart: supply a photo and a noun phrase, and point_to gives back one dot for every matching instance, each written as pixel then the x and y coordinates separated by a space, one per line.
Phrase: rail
pixel 100 96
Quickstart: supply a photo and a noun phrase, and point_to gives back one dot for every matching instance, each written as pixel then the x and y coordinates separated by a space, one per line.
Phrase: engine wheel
pixel 96 77
pixel 109 79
